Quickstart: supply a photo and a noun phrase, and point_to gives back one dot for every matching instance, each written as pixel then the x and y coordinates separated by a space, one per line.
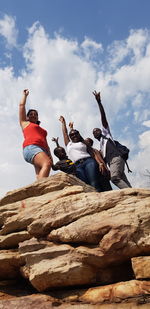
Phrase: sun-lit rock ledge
pixel 59 233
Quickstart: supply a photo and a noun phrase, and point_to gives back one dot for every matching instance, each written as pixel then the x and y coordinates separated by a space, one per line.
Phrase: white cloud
pixel 91 48
pixel 87 43
pixel 8 30
pixel 137 100
pixel 147 123
pixel 140 161
pixel 117 52
pixel 137 115
pixel 137 42
pixel 136 46
pixel 144 140
pixel 141 116
pixel 61 79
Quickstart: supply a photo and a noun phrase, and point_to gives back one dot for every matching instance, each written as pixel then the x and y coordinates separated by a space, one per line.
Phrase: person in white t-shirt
pixel 87 169
pixel 109 151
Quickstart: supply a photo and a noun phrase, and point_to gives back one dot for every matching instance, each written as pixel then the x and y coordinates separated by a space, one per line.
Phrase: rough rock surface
pixel 59 233
pixel 141 267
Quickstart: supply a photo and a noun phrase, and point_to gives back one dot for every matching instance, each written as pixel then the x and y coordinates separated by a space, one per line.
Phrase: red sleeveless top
pixel 35 135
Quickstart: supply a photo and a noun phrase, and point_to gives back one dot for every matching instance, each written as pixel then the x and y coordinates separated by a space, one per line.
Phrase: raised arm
pixel 22 109
pixel 71 125
pixel 101 108
pixel 64 130
pixel 56 141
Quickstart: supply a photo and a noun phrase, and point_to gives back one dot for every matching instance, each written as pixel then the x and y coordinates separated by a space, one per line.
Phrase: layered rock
pixel 59 232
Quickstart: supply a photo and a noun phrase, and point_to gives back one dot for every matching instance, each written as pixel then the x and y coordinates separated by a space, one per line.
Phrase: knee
pixel 115 179
pixel 95 182
pixel 81 175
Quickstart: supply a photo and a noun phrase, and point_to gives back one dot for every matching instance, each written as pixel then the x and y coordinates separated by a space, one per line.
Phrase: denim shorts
pixel 30 151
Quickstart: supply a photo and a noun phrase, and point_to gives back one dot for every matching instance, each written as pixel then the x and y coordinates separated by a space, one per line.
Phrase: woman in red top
pixel 35 148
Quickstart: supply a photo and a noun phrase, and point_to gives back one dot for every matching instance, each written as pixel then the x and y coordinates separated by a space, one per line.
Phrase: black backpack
pixel 124 153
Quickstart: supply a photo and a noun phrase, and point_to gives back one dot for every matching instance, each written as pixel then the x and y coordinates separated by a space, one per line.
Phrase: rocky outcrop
pixel 59 233
pixel 141 267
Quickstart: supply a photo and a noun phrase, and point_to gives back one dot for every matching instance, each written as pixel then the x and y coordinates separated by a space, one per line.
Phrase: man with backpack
pixel 111 153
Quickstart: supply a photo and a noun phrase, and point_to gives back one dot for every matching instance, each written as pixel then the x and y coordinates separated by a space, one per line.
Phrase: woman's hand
pixel 62 119
pixel 22 109
pixel 102 168
pixel 71 125
pixel 26 92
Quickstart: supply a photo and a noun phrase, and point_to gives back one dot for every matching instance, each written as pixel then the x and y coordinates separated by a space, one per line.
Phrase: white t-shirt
pixel 103 140
pixel 77 151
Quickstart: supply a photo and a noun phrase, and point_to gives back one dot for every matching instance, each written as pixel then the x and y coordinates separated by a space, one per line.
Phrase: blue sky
pixel 62 50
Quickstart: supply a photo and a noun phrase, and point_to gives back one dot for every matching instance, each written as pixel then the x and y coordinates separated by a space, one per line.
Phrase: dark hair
pixel 33 110
pixel 57 149
pixel 58 152
pixel 89 141
pixel 73 131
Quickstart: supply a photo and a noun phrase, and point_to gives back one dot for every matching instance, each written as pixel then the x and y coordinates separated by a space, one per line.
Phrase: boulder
pixel 60 233
pixel 141 267
pixel 10 263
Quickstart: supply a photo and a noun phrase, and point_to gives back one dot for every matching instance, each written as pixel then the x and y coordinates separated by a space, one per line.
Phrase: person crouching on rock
pixel 64 164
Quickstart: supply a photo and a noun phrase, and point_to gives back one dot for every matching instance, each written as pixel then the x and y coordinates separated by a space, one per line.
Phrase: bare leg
pixel 37 170
pixel 42 164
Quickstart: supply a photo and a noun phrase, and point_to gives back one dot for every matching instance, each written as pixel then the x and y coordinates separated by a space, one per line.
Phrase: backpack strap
pixel 129 171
